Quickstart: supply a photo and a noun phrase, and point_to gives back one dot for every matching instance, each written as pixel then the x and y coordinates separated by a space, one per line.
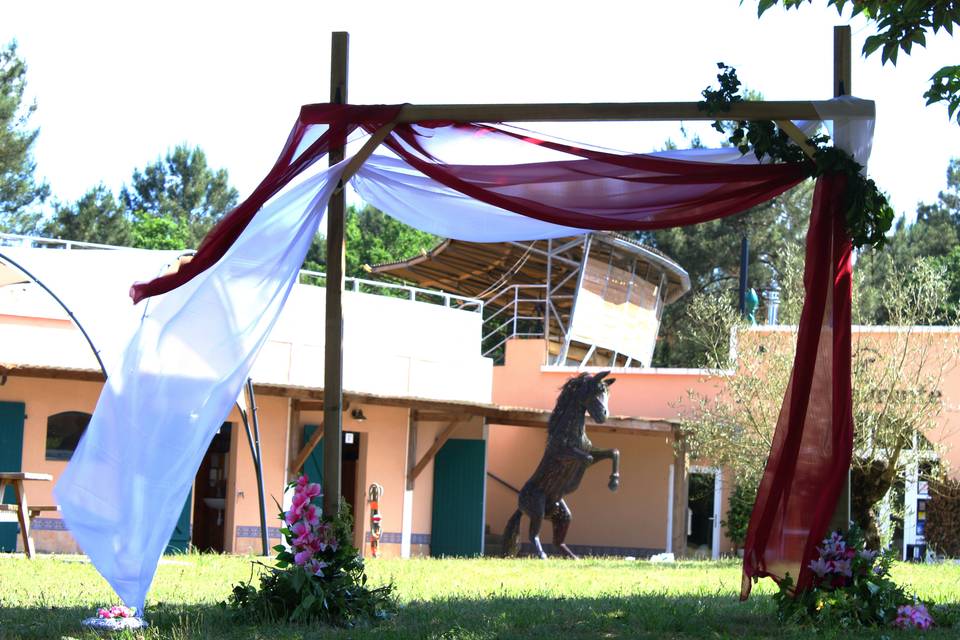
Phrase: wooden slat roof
pixel 478 269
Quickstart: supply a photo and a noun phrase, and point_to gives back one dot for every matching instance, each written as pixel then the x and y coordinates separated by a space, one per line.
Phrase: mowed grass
pixel 446 599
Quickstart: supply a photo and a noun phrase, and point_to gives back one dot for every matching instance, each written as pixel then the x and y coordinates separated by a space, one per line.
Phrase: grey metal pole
pixel 744 266
pixel 258 467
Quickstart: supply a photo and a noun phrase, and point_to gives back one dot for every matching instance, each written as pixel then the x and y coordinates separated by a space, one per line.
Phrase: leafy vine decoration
pixel 868 213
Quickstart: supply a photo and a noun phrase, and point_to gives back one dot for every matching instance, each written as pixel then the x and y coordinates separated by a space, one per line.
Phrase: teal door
pixel 12 415
pixel 458 482
pixel 313 467
pixel 180 538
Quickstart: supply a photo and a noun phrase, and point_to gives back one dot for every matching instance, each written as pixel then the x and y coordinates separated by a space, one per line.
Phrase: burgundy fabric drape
pixel 813 442
pixel 590 188
pixel 340 120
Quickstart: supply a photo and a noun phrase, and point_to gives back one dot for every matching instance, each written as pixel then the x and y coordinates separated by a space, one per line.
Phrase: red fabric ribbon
pixel 813 442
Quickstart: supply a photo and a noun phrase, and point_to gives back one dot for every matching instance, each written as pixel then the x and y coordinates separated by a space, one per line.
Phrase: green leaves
pixel 868 213
pixel 945 87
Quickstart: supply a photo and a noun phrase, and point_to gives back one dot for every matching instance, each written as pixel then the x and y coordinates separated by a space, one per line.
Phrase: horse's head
pixel 594 398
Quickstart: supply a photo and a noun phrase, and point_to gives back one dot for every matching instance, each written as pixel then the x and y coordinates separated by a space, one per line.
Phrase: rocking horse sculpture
pixel 567 455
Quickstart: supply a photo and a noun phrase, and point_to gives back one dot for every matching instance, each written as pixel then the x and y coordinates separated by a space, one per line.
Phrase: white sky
pixel 117 84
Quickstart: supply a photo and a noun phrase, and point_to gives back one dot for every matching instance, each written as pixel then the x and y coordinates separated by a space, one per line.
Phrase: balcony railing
pixel 511 320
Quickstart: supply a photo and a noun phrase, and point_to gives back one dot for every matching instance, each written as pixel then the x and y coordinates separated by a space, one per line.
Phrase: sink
pixel 215 503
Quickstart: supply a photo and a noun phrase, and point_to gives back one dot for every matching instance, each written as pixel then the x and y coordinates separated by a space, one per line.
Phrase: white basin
pixel 215 503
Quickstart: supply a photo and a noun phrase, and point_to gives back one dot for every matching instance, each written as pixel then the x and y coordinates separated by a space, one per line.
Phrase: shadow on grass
pixel 523 617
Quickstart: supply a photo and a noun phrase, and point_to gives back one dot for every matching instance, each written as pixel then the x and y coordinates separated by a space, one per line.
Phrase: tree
pixel 182 188
pixel 900 25
pixel 897 377
pixel 935 234
pixel 710 252
pixel 372 238
pixel 20 193
pixel 96 217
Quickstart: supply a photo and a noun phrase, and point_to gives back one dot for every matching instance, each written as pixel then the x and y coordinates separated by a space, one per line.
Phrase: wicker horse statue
pixel 567 455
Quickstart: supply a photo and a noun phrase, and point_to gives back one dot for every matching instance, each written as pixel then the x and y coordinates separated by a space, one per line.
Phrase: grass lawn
pixel 446 599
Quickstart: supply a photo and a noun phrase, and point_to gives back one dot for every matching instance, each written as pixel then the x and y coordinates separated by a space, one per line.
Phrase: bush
pixel 942 529
pixel 319 576
pixel 739 507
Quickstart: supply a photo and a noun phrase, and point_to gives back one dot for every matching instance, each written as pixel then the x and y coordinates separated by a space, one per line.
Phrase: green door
pixel 12 415
pixel 313 467
pixel 458 483
pixel 180 538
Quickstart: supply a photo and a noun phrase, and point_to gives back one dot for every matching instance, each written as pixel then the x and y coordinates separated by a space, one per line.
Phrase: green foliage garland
pixel 868 214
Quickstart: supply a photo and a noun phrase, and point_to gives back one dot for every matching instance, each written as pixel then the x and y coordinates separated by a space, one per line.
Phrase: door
pixel 12 415
pixel 700 515
pixel 313 467
pixel 458 483
pixel 180 539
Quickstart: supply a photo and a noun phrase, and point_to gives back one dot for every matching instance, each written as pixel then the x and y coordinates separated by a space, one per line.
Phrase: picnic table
pixel 22 512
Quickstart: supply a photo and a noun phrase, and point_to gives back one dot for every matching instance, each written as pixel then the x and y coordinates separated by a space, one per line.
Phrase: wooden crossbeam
pixel 431 452
pixel 622 112
pixel 308 448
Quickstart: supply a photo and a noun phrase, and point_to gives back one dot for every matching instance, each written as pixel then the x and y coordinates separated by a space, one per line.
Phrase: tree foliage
pixel 710 252
pixel 897 377
pixel 933 236
pixel 900 26
pixel 96 217
pixel 372 238
pixel 20 193
pixel 182 188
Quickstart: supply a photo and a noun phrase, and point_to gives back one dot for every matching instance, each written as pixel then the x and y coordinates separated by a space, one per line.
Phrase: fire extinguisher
pixel 373 497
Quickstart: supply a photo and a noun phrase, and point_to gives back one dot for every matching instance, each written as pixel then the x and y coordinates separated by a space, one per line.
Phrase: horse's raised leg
pixel 614 456
pixel 532 503
pixel 561 517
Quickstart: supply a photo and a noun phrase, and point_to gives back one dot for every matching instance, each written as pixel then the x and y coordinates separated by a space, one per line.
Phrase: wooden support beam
pixel 308 448
pixel 620 112
pixel 368 148
pixel 411 447
pixel 336 249
pixel 842 61
pixel 295 437
pixel 798 136
pixel 680 496
pixel 431 452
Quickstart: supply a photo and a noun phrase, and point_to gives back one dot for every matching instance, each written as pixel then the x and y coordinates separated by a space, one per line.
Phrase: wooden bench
pixel 21 512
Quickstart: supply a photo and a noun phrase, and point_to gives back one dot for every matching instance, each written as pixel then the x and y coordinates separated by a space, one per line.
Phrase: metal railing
pixel 508 321
pixel 14 240
pixel 414 294
pixel 360 285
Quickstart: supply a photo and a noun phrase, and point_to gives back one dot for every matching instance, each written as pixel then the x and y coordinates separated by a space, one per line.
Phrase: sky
pixel 118 84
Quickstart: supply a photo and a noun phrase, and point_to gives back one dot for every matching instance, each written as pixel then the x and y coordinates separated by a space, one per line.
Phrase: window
pixel 63 433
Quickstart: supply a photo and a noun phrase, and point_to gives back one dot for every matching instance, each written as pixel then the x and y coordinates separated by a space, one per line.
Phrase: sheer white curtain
pixel 126 484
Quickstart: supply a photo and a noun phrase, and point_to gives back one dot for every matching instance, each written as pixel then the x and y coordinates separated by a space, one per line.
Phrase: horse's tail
pixel 511 536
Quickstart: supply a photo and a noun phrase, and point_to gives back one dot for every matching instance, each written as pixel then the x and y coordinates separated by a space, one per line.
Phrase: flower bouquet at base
pixel 851 587
pixel 319 575
pixel 115 618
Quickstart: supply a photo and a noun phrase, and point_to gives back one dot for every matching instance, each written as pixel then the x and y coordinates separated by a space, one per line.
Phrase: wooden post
pixel 841 87
pixel 333 345
pixel 680 495
pixel 842 79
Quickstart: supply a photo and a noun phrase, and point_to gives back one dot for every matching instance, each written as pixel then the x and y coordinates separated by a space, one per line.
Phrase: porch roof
pixel 426 409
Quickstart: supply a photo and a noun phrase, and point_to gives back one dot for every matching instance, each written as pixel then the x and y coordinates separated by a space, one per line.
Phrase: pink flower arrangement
pixel 837 561
pixel 913 616
pixel 116 611
pixel 308 536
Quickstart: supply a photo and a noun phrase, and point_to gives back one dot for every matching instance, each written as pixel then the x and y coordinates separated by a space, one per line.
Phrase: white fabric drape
pixel 126 484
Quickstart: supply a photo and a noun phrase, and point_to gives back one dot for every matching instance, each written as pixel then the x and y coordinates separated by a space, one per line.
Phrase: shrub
pixel 739 507
pixel 942 529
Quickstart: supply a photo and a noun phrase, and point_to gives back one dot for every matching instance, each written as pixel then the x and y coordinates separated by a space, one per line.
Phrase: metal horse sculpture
pixel 567 455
